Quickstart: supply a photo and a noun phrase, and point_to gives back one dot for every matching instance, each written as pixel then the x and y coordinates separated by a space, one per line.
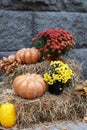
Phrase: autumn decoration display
pixel 39 87
pixel 53 43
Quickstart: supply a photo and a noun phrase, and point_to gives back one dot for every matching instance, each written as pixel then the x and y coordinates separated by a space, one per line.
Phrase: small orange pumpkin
pixel 29 85
pixel 29 55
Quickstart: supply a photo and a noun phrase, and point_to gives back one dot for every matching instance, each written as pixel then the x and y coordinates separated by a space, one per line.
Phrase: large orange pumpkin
pixel 29 55
pixel 29 85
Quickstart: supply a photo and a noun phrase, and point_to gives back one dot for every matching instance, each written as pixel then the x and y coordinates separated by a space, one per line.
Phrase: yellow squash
pixel 7 115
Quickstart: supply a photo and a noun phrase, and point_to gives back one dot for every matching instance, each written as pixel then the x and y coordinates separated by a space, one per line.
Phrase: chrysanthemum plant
pixel 54 42
pixel 58 72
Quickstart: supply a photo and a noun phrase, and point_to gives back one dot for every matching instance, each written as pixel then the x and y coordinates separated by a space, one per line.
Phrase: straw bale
pixel 40 68
pixel 47 108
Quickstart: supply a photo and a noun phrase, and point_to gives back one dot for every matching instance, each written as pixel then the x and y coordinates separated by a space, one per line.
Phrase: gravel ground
pixel 56 126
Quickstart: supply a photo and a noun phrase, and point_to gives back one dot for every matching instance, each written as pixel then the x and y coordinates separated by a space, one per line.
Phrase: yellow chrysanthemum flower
pixel 58 72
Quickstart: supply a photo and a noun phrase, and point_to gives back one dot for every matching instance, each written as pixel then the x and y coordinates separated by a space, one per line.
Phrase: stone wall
pixel 20 20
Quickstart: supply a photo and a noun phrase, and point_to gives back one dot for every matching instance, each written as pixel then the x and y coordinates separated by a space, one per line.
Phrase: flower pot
pixel 52 58
pixel 56 88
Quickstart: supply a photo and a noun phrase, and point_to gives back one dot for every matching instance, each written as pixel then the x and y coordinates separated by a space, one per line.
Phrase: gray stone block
pixel 80 57
pixel 15 30
pixel 76 23
pixel 0 2
pixel 46 5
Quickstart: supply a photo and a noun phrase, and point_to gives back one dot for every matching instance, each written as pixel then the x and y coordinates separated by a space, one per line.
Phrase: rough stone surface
pixel 0 3
pixel 76 23
pixel 5 2
pixel 80 57
pixel 15 30
pixel 18 28
pixel 46 5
